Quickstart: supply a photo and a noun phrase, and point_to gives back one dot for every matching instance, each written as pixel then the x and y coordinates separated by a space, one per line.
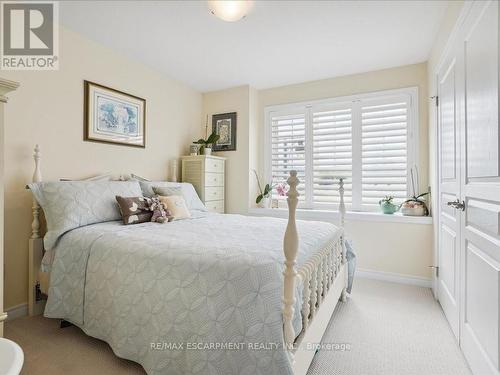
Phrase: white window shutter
pixel 384 138
pixel 288 138
pixel 331 154
pixel 369 139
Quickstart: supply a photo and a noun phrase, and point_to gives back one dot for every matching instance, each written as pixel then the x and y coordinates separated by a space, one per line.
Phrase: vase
pixel 207 151
pixel 265 202
pixel 388 208
pixel 413 208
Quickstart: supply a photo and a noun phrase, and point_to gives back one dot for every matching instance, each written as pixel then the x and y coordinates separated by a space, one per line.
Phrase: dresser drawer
pixel 214 165
pixel 215 206
pixel 214 193
pixel 214 179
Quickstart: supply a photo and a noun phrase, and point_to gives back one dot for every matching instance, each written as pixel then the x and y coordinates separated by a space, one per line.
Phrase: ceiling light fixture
pixel 230 10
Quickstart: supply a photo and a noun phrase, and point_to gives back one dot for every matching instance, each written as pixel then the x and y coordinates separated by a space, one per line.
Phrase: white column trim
pixel 6 86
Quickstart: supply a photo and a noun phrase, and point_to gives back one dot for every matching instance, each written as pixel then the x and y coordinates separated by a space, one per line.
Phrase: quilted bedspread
pixel 196 296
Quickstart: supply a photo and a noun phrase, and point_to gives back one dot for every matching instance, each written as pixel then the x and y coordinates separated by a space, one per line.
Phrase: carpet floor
pixel 383 329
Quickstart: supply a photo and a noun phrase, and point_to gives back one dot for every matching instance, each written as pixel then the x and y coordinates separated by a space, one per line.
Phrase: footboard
pixel 324 280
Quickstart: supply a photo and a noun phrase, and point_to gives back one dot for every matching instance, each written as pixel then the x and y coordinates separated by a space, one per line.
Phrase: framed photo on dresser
pixel 224 125
pixel 113 116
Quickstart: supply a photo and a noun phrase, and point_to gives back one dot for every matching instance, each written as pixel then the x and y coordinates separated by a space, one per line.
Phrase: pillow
pixel 167 191
pixel 193 202
pixel 176 205
pixel 71 204
pixel 134 210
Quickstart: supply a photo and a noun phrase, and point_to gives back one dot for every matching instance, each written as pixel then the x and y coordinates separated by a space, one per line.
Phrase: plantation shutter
pixel 331 154
pixel 288 138
pixel 384 149
pixel 367 140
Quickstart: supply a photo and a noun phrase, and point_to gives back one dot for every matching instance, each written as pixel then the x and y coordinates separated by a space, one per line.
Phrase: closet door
pixel 449 187
pixel 480 245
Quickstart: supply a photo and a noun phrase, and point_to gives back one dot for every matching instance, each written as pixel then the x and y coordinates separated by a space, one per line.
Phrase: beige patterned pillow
pixel 176 205
pixel 134 210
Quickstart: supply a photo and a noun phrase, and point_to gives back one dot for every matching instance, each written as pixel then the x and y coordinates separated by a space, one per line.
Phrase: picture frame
pixel 112 116
pixel 224 124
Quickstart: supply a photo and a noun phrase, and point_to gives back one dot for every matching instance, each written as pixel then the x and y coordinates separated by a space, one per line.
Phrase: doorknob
pixel 456 204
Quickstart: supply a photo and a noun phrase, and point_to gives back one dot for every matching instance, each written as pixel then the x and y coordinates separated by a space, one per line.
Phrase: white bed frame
pixel 324 277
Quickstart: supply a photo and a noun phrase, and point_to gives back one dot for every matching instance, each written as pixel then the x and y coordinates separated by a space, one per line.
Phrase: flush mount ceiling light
pixel 230 10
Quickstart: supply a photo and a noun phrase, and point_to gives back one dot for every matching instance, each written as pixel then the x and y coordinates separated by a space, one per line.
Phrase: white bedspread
pixel 157 293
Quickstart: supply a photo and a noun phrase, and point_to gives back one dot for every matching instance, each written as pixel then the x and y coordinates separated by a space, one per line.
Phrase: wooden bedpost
pixel 343 296
pixel 35 304
pixel 290 247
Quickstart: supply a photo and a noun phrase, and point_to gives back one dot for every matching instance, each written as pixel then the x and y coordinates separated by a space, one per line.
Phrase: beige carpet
pixel 390 328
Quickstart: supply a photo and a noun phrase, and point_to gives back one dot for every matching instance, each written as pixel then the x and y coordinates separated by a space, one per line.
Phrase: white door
pixel 480 187
pixel 449 187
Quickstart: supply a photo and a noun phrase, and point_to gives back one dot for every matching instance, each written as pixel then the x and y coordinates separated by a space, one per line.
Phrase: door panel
pixel 482 280
pixel 448 255
pixel 484 216
pixel 449 186
pixel 480 189
pixel 481 62
pixel 447 112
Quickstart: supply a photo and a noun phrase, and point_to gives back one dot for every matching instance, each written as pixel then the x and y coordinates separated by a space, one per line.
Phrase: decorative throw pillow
pixel 134 210
pixel 176 205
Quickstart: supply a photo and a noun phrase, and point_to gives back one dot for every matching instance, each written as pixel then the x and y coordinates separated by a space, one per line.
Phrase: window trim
pixel 412 135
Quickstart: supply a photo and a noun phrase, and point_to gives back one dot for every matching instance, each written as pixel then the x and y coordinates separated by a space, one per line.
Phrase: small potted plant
pixel 264 197
pixel 206 144
pixel 387 206
pixel 415 206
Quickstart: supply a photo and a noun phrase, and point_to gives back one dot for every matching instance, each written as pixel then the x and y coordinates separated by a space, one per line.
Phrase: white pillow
pixel 71 204
pixel 193 202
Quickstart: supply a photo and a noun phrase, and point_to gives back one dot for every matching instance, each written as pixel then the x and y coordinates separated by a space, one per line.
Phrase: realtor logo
pixel 29 35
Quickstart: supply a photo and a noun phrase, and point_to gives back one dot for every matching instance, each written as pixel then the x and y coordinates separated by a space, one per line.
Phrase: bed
pixel 213 294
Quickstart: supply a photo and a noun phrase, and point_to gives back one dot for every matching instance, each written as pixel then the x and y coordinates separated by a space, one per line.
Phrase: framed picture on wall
pixel 224 125
pixel 113 116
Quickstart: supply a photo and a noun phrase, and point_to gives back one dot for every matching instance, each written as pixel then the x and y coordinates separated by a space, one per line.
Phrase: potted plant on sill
pixel 415 205
pixel 263 200
pixel 387 206
pixel 206 144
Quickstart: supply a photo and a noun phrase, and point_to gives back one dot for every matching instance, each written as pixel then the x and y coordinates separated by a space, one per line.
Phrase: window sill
pixel 333 216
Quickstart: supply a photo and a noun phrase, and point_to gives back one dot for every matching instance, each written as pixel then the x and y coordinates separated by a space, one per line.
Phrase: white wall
pixel 48 109
pixel 239 182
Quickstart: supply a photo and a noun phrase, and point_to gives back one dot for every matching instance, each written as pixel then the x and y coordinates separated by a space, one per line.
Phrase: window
pixel 367 139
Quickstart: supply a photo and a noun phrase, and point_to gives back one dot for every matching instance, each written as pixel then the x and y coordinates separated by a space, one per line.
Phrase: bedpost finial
pixel 36 153
pixel 37 174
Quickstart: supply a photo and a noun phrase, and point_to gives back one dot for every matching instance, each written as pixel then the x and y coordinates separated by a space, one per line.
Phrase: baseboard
pixel 17 311
pixel 394 277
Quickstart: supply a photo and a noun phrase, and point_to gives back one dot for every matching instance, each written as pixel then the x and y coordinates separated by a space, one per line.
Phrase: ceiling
pixel 278 43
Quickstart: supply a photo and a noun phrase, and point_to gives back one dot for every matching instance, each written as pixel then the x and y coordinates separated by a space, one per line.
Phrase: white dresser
pixel 206 173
